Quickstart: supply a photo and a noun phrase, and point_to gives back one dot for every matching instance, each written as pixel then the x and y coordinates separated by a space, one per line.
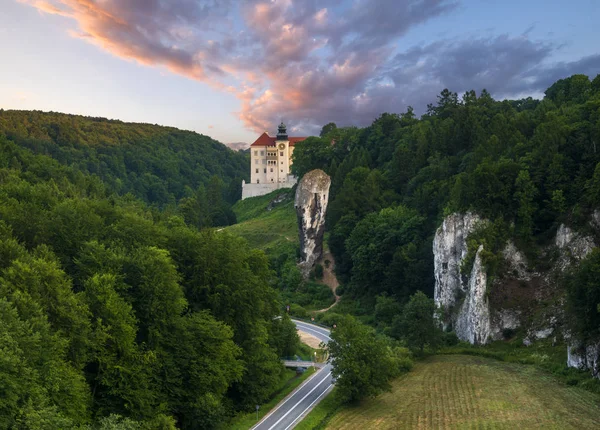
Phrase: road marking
pixel 324 332
pixel 309 406
pixel 300 401
pixel 301 328
pixel 292 394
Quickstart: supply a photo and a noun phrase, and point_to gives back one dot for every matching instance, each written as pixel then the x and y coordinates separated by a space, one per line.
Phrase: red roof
pixel 266 140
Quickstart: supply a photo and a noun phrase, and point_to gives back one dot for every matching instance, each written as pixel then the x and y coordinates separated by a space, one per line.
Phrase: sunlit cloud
pixel 312 61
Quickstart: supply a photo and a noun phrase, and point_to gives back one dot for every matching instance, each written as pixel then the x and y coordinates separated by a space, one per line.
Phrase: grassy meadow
pixel 274 231
pixel 467 392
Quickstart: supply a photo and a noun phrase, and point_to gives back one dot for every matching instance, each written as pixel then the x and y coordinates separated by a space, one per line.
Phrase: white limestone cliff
pixel 449 250
pixel 572 245
pixel 584 357
pixel 473 322
pixel 311 200
pixel 573 248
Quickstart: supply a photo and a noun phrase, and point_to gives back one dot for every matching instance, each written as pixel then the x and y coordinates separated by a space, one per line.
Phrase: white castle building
pixel 270 163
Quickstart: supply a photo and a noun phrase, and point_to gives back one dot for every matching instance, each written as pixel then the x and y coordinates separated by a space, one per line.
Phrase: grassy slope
pixel 275 231
pixel 470 392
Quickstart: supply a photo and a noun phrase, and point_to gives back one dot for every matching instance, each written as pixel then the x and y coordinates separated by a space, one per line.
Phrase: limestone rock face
pixel 473 323
pixel 584 357
pixel 572 246
pixel 311 200
pixel 449 250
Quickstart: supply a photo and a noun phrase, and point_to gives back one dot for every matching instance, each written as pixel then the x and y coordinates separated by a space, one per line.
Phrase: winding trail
pixel 329 278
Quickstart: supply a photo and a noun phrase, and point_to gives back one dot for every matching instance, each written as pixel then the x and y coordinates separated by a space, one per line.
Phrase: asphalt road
pixel 289 412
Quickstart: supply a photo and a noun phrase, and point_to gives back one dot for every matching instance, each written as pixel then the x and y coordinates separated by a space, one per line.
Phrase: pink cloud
pixel 297 59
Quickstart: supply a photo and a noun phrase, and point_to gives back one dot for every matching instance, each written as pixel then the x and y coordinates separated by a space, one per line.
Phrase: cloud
pixel 238 146
pixel 309 62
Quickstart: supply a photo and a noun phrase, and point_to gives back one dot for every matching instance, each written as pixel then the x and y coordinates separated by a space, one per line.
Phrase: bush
pixel 508 333
pixel 319 271
pixel 298 311
pixel 329 318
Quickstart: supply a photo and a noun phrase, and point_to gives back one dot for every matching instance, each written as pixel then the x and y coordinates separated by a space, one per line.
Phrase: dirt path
pixel 309 339
pixel 329 278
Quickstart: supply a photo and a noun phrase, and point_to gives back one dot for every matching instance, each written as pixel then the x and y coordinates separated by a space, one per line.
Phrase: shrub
pixel 319 271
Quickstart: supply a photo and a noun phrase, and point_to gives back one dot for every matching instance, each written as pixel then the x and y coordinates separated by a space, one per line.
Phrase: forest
pixel 120 308
pixel 117 313
pixel 165 167
pixel 526 165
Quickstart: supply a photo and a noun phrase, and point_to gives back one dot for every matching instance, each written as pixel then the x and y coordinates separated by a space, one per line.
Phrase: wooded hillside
pixel 526 165
pixel 115 314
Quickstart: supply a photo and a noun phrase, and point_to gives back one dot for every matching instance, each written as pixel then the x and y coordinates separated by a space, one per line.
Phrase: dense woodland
pixel 162 166
pixel 526 165
pixel 118 315
pixel 120 309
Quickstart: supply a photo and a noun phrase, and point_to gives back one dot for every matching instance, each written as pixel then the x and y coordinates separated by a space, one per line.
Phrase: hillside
pixel 160 165
pixel 269 223
pixel 118 314
pixel 470 392
pixel 529 168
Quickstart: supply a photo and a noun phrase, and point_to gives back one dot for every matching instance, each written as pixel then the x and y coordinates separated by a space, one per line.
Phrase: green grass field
pixel 274 231
pixel 466 392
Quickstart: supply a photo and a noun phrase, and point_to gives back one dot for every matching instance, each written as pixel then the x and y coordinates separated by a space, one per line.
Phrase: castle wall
pixel 255 190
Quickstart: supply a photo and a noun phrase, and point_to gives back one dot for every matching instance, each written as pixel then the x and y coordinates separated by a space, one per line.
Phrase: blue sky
pixel 231 69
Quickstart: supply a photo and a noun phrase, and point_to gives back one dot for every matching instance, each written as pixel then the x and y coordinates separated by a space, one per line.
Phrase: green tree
pixel 327 128
pixel 416 325
pixel 583 299
pixel 525 194
pixel 363 362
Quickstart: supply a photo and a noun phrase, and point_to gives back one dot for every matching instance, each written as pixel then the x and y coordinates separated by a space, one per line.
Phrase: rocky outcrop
pixel 574 248
pixel 311 200
pixel 584 357
pixel 516 262
pixel 473 323
pixel 463 297
pixel 504 322
pixel 449 250
pixel 572 245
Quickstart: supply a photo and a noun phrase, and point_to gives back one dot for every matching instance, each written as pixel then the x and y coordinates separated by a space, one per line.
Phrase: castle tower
pixel 283 154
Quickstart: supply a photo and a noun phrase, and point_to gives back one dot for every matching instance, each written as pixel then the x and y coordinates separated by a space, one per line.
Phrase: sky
pixel 232 69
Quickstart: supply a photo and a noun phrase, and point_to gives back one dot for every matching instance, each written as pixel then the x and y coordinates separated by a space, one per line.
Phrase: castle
pixel 270 163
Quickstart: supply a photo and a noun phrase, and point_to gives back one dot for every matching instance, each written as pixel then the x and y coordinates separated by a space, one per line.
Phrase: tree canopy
pixel 118 314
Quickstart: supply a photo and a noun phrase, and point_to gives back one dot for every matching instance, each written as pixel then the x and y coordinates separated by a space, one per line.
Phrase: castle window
pixel 282 162
pixel 255 153
pixel 272 180
pixel 271 170
pixel 281 153
pixel 262 152
pixel 264 161
pixel 256 170
pixel 258 181
pixel 281 170
pixel 265 170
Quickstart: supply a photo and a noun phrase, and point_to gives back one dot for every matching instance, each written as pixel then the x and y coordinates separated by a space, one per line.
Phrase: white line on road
pixel 302 328
pixel 309 406
pixel 292 394
pixel 300 401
